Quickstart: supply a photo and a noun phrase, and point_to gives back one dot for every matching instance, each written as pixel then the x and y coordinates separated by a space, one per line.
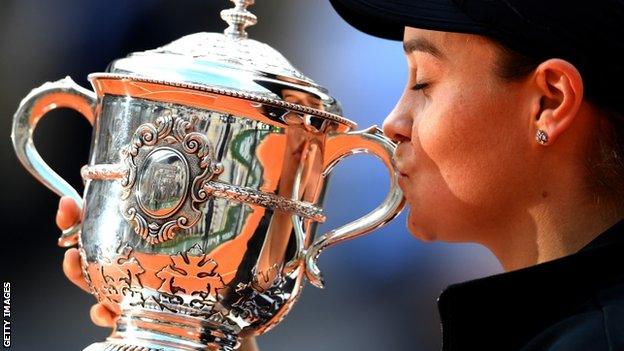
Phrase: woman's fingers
pixel 102 316
pixel 72 268
pixel 68 213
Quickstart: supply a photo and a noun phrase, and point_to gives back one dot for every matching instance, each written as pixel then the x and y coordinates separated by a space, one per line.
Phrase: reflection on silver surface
pixel 162 183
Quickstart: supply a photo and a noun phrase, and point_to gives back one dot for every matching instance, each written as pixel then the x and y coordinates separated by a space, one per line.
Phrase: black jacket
pixel 573 303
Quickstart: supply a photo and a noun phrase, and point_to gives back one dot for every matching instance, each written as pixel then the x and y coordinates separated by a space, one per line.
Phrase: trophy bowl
pixel 208 165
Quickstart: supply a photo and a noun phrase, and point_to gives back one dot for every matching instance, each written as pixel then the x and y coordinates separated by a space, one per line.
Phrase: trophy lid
pixel 231 61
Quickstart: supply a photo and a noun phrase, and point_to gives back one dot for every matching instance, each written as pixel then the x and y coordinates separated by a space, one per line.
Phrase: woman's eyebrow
pixel 422 44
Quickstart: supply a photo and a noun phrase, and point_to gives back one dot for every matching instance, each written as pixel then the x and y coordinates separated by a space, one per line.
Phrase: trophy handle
pixel 50 96
pixel 339 146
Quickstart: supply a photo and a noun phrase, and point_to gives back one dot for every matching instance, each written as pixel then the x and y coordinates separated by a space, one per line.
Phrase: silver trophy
pixel 208 166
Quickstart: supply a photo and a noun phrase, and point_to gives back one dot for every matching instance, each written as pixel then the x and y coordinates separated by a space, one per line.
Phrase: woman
pixel 510 135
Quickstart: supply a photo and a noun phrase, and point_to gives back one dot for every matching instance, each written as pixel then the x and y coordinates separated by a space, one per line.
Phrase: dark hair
pixel 605 163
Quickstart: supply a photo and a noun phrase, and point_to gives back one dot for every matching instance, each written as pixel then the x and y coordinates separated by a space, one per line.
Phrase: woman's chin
pixel 418 231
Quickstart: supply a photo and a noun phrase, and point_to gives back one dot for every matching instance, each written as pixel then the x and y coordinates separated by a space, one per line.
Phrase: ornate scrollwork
pixel 161 160
pixel 255 197
pixel 117 278
pixel 258 303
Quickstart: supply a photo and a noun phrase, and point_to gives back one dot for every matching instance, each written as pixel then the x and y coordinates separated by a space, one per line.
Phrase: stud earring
pixel 541 137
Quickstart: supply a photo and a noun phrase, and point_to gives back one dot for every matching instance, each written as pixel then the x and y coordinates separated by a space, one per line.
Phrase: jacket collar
pixel 505 311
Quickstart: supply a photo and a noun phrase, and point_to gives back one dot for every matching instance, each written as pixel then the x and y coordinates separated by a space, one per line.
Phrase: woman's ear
pixel 560 86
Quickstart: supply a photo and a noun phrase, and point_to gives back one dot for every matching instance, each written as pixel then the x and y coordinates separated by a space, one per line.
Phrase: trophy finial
pixel 238 18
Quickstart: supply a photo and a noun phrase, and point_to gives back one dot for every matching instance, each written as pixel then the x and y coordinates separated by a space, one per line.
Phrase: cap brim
pixel 387 19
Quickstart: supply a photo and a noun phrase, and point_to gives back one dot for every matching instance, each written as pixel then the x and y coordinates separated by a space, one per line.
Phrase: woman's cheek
pixel 455 146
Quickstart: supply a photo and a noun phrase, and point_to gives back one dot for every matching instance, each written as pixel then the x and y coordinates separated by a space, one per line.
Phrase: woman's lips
pixel 399 166
pixel 402 175
pixel 403 181
pixel 400 170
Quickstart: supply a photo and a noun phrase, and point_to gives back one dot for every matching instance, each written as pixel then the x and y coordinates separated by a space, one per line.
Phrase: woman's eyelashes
pixel 420 86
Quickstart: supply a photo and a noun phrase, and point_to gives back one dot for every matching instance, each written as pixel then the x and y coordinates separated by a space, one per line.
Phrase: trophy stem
pixel 148 330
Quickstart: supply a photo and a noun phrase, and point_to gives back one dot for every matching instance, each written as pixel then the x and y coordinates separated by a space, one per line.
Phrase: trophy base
pixel 115 346
pixel 145 330
pixel 106 346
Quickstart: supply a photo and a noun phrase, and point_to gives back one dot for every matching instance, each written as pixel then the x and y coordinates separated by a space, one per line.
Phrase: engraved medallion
pixel 162 182
pixel 162 161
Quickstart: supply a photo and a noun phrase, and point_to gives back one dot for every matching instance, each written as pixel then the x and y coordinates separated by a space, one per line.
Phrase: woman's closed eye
pixel 420 86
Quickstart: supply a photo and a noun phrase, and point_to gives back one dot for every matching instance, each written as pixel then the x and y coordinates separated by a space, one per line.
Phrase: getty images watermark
pixel 6 314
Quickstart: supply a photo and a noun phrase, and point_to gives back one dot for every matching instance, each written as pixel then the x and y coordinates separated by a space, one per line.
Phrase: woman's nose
pixel 398 125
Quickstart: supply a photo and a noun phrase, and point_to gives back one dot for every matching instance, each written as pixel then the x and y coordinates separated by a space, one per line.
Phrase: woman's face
pixel 465 136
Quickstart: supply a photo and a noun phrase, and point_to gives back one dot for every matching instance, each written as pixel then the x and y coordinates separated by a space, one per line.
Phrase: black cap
pixel 588 34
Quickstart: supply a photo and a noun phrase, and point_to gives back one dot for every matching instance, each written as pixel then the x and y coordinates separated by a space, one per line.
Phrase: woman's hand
pixel 69 214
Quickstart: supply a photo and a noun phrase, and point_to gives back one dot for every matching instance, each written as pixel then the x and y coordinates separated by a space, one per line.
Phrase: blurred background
pixel 381 289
